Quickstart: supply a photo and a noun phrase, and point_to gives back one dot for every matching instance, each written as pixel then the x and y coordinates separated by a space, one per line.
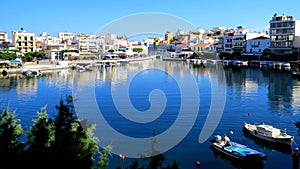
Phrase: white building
pixel 66 37
pixel 257 45
pixel 23 41
pixel 110 42
pixel 95 44
pixel 82 43
pixel 52 46
pixel 284 34
pixel 3 37
pixel 235 40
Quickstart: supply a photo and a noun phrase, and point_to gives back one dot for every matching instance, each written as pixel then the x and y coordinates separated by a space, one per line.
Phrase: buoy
pixel 122 157
pixel 231 132
pixel 249 113
pixel 198 163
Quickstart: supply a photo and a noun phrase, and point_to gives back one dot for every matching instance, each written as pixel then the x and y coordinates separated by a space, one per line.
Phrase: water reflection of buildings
pixel 27 87
pixel 245 81
pixel 60 78
pixel 295 97
pixel 280 90
pixel 280 86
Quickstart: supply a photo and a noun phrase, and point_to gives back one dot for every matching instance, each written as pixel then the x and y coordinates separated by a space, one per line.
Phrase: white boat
pixel 81 68
pixel 268 133
pixel 199 61
pixel 285 65
pixel 34 72
pixel 241 63
pixel 211 61
pixel 237 151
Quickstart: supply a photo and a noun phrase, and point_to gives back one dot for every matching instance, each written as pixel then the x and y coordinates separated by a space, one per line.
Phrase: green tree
pixel 224 55
pixel 103 160
pixel 39 141
pixel 8 56
pixel 73 146
pixel 65 142
pixel 30 55
pixel 65 146
pixel 10 133
pixel 138 50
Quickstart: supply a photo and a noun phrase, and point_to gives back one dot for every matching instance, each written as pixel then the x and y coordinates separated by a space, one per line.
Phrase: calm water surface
pixel 254 95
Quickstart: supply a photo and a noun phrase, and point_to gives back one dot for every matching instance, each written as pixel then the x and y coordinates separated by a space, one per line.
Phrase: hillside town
pixel 280 42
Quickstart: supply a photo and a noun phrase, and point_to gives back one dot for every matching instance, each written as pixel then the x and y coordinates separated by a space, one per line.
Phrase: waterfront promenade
pixel 47 65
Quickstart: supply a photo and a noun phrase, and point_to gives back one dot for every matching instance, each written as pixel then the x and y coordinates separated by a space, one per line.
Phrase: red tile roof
pixel 201 44
pixel 182 44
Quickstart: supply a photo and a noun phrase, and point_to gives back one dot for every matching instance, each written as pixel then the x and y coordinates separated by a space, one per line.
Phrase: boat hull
pixel 235 156
pixel 257 162
pixel 283 141
pixel 284 148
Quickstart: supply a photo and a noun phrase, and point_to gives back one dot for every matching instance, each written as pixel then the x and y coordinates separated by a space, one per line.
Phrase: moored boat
pixel 236 151
pixel 268 133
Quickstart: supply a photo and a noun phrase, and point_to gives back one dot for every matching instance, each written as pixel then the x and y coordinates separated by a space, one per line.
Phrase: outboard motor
pixel 218 138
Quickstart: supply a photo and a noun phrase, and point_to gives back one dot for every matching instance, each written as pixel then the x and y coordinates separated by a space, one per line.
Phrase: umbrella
pixel 16 60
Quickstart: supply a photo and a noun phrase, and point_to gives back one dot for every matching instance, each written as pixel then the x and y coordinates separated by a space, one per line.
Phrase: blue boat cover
pixel 243 151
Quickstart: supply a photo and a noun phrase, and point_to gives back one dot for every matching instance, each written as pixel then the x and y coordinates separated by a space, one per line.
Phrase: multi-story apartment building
pixel 95 44
pixel 52 46
pixel 82 43
pixel 236 40
pixel 284 34
pixel 169 36
pixel 66 37
pixel 23 41
pixel 226 41
pixel 3 37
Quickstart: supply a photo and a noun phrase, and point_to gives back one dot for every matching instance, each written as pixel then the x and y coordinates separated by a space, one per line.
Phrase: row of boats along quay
pixel 236 153
pixel 38 68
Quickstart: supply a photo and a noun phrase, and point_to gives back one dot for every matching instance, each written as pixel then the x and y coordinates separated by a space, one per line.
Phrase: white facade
pixel 23 41
pixel 66 37
pixel 95 44
pixel 284 34
pixel 3 37
pixel 257 45
pixel 52 46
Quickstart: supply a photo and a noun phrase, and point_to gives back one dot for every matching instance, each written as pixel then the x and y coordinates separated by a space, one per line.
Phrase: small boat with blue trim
pixel 237 151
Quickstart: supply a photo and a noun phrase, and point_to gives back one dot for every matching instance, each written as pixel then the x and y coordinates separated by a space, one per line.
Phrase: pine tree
pixel 10 145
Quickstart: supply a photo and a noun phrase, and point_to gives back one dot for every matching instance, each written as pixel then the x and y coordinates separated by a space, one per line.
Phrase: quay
pixel 57 65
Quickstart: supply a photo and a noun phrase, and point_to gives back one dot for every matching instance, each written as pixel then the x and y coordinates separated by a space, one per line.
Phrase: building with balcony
pixel 52 46
pixel 169 36
pixel 3 37
pixel 95 44
pixel 257 45
pixel 66 37
pixel 284 34
pixel 82 43
pixel 23 41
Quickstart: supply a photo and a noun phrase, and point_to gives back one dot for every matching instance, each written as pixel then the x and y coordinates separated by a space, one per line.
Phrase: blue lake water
pixel 174 100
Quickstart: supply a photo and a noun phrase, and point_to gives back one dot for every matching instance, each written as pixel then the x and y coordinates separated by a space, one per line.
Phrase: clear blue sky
pixel 87 16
